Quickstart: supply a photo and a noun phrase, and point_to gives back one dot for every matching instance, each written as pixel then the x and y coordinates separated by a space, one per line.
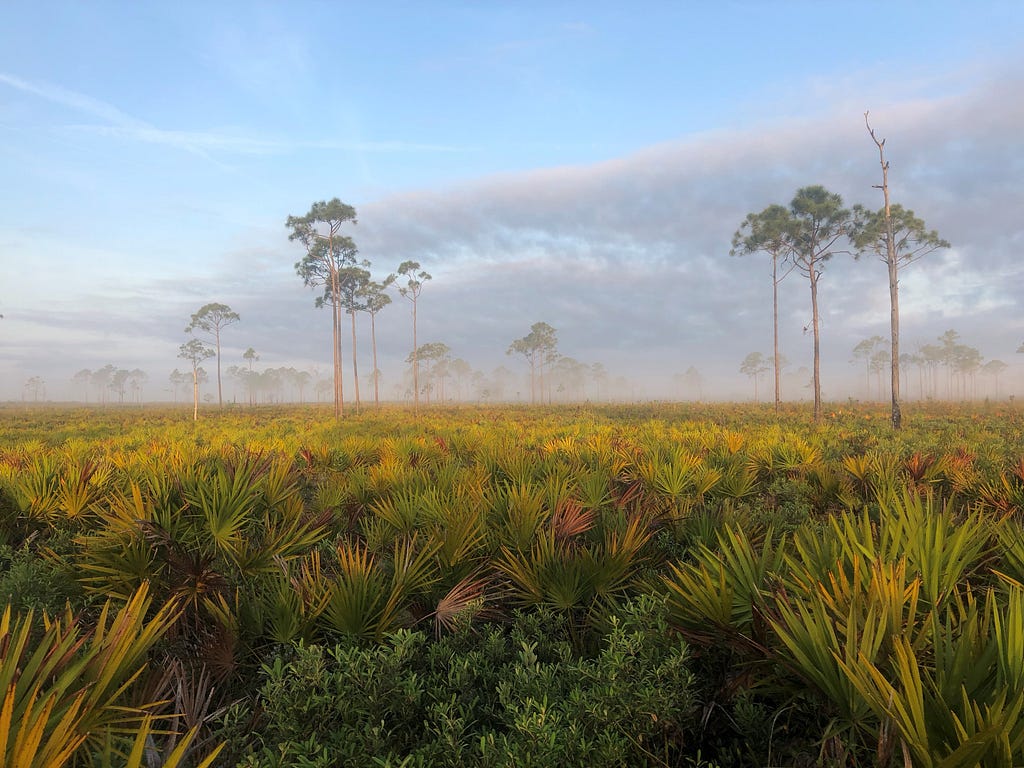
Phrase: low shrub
pixel 514 695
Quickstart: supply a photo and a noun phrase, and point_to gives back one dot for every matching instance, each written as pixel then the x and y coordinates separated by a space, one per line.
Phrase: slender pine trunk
pixel 415 364
pixel 220 394
pixel 355 361
pixel 775 324
pixel 817 342
pixel 339 398
pixel 373 343
pixel 195 393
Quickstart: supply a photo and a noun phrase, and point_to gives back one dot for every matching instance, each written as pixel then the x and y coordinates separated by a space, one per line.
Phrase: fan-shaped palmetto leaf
pixel 516 466
pixel 280 484
pixel 390 472
pixel 830 489
pixel 71 688
pixel 609 454
pixel 357 596
pixel 594 489
pixel 938 733
pixel 705 481
pixel 679 482
pixel 570 519
pixel 82 482
pixel 1005 495
pixel 716 596
pixel 115 559
pixel 226 500
pixel 884 476
pixel 279 533
pixel 924 470
pixel 813 646
pixel 460 530
pixel 943 548
pixel 368 597
pixel 794 456
pixel 519 512
pixel 32 733
pixel 860 469
pixel 618 559
pixel 1008 633
pixel 400 511
pixel 551 573
pixel 740 482
pixel 669 478
pixel 36 487
pixel 580 581
pixel 289 602
pixel 1010 545
pixel 733 442
pixel 460 603
pixel 881 620
pixel 849 617
pixel 762 461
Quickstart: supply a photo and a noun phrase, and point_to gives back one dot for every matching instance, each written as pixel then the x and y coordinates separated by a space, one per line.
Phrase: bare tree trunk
pixel 339 399
pixel 533 381
pixel 376 377
pixel 415 363
pixel 340 362
pixel 817 346
pixel 195 394
pixel 894 285
pixel 355 362
pixel 775 322
pixel 540 380
pixel 220 396
pixel 894 326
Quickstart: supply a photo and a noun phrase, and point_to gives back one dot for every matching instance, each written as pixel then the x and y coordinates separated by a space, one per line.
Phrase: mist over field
pixel 602 206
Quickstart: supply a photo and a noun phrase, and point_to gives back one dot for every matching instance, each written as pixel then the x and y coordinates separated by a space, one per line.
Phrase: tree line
pixel 947 369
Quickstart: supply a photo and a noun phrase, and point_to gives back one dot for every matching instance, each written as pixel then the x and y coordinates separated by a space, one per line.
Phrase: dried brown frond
pixel 464 601
pixel 570 519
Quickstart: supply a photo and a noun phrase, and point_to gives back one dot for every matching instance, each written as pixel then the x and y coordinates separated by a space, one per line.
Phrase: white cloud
pixel 628 258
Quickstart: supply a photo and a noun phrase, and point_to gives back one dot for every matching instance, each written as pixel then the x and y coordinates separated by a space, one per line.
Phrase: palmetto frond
pixel 368 598
pixel 35 487
pixel 226 500
pixel 460 604
pixel 724 589
pixel 70 687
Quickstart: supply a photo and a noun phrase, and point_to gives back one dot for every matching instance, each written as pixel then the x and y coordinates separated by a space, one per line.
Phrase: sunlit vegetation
pixel 629 585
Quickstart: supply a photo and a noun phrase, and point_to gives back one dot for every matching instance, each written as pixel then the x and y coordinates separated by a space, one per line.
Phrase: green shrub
pixel 508 696
pixel 30 581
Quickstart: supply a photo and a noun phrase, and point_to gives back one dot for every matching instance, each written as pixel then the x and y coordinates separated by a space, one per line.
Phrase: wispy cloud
pixel 120 125
pixel 77 101
pixel 207 141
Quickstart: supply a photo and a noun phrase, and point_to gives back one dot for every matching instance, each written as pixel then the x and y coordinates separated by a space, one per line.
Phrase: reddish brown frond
pixel 570 519
pixel 463 602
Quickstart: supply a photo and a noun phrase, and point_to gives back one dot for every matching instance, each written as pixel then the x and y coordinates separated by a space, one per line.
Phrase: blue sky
pixel 584 164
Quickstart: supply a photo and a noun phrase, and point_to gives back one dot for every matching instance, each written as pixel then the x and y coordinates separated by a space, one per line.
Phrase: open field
pixel 608 585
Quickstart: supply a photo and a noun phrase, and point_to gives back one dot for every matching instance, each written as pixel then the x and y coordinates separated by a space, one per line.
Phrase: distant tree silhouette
pixel 211 319
pixel 415 277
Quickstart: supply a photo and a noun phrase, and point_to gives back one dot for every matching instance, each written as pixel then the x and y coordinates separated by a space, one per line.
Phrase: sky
pixel 583 164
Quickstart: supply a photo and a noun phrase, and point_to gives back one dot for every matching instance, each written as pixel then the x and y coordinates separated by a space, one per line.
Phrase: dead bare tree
pixel 899 238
